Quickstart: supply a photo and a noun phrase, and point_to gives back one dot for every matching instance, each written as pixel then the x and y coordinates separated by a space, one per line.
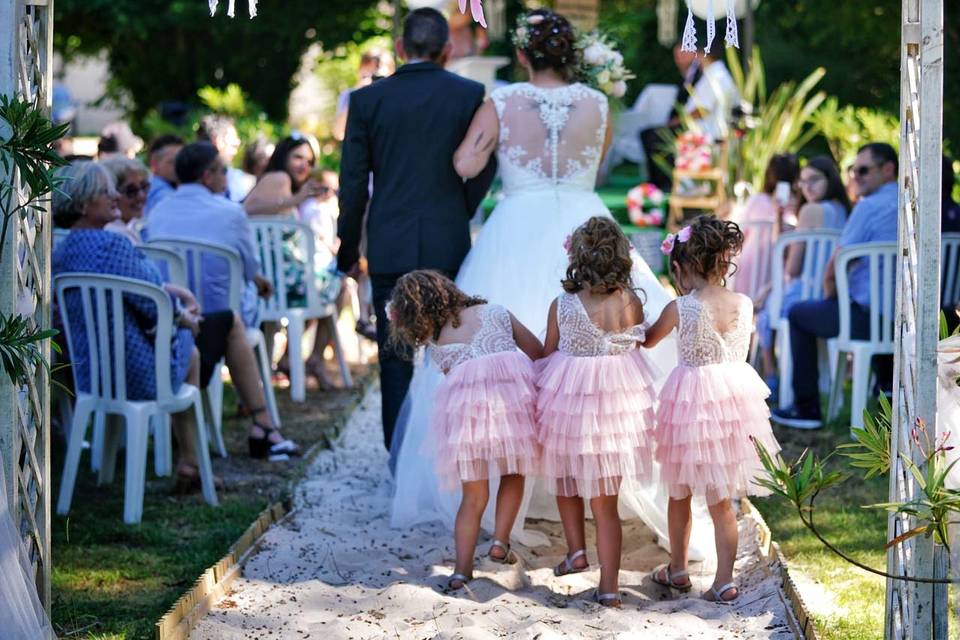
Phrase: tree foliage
pixel 168 49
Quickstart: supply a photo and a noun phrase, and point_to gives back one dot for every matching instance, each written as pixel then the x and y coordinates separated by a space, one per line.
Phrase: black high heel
pixel 261 448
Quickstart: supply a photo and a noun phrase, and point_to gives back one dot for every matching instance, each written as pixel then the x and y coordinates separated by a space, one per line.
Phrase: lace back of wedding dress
pixel 549 137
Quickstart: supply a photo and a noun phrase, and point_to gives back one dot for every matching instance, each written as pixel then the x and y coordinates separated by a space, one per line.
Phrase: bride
pixel 550 135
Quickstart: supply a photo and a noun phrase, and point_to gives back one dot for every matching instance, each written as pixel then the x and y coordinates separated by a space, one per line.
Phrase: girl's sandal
pixel 508 556
pixel 716 594
pixel 611 600
pixel 457 581
pixel 671 580
pixel 566 567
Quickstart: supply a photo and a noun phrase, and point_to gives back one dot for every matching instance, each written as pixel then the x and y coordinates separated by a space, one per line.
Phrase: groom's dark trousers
pixel 404 130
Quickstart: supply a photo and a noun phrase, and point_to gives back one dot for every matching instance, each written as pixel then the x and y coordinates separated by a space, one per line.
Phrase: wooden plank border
pixel 214 583
pixel 803 625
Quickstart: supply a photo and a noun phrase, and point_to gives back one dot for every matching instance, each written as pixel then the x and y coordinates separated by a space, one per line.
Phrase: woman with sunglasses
pixel 824 206
pixel 133 184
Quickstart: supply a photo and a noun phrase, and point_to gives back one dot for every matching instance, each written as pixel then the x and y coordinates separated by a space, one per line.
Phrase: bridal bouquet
pixel 694 151
pixel 646 205
pixel 601 65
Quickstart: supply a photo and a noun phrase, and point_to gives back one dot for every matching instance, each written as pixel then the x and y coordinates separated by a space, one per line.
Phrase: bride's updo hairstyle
pixel 549 42
pixel 599 258
pixel 421 304
pixel 707 247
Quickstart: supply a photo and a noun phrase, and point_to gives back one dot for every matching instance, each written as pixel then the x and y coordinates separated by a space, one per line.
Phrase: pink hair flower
pixel 666 247
pixel 568 243
pixel 391 312
pixel 684 234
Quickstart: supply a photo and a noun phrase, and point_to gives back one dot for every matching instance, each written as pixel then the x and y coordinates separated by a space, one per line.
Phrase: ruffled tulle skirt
pixel 484 420
pixel 707 421
pixel 594 422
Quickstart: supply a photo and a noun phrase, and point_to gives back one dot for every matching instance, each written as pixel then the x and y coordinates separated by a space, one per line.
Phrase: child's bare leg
pixel 725 534
pixel 609 541
pixel 467 526
pixel 571 515
pixel 509 497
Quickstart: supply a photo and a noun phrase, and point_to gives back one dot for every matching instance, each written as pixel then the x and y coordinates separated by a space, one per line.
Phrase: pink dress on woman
pixel 710 407
pixel 595 407
pixel 484 416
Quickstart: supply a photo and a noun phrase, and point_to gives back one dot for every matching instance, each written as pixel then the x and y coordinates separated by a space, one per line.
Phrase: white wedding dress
pixel 549 151
pixel 21 614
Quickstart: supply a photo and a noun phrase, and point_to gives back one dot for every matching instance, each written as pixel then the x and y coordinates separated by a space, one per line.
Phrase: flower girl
pixel 596 396
pixel 713 403
pixel 483 423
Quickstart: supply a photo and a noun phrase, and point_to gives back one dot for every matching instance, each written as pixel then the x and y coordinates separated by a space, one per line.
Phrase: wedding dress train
pixel 550 147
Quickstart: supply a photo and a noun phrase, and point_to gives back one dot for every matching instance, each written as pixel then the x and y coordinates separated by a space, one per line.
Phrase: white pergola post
pixel 26 41
pixel 917 611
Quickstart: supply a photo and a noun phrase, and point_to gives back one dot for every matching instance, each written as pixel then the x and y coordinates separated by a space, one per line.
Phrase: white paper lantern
pixel 701 8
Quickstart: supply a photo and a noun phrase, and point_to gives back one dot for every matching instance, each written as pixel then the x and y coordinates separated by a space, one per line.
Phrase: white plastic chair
pixel 171 264
pixel 949 268
pixel 194 252
pixel 818 246
pixel 269 233
pixel 882 261
pixel 108 386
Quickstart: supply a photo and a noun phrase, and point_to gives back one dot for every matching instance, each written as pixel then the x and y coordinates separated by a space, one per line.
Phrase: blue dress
pixel 834 217
pixel 107 253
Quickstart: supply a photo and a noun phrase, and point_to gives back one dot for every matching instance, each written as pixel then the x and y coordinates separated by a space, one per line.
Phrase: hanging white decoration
pixel 476 10
pixel 705 9
pixel 251 7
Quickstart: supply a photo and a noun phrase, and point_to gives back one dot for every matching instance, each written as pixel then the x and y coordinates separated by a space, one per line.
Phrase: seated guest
pixel 950 213
pixel 117 139
pixel 256 155
pixel 133 183
pixel 163 180
pixel 761 220
pixel 873 219
pixel 85 203
pixel 221 132
pixel 823 206
pixel 197 212
pixel 287 189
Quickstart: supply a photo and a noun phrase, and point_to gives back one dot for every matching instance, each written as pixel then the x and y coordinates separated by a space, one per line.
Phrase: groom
pixel 404 130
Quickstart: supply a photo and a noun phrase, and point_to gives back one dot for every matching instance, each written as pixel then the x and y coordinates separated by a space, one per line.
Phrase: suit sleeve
pixel 477 187
pixel 354 185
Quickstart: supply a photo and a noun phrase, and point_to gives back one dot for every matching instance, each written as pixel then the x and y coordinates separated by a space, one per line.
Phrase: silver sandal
pixel 717 594
pixel 566 567
pixel 457 577
pixel 603 598
pixel 671 578
pixel 507 558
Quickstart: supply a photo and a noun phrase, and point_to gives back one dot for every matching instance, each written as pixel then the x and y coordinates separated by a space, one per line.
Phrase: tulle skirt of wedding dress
pixel 518 261
pixel 21 615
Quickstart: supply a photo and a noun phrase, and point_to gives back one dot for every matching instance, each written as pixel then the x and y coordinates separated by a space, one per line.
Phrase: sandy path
pixel 336 570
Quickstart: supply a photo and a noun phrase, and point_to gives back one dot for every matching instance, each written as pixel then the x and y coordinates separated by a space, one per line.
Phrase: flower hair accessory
pixel 568 243
pixel 666 247
pixel 684 234
pixel 390 311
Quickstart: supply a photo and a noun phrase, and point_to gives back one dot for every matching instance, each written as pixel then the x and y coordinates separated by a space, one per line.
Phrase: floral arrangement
pixel 646 205
pixel 666 247
pixel 601 65
pixel 694 151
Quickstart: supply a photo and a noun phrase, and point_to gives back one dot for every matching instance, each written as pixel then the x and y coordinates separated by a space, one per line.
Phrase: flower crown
pixel 666 247
pixel 527 24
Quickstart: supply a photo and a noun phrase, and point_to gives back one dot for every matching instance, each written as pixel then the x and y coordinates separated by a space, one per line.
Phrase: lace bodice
pixel 495 335
pixel 549 137
pixel 698 340
pixel 579 336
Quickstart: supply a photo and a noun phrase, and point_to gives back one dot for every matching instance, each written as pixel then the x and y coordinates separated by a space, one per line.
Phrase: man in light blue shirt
pixel 873 219
pixel 163 178
pixel 195 211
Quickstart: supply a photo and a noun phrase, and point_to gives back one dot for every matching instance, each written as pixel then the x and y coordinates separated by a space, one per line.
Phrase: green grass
pixel 113 581
pixel 858 596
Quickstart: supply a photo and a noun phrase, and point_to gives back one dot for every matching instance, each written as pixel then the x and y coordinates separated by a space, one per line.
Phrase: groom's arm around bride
pixel 404 130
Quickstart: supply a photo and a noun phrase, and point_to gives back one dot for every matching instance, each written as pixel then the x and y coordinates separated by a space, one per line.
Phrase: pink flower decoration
pixel 391 312
pixel 666 247
pixel 684 234
pixel 476 10
pixel 568 243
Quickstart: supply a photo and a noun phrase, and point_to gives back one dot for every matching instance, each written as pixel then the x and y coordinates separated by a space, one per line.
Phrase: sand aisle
pixel 335 569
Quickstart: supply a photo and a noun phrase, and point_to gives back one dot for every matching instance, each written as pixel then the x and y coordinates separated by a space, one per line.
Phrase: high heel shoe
pixel 262 448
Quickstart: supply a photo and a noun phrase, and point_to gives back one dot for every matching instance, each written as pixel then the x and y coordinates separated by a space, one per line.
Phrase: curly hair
pixel 599 258
pixel 710 249
pixel 551 42
pixel 421 304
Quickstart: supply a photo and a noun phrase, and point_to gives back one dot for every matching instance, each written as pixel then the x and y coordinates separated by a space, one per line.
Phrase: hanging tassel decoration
pixel 476 10
pixel 689 40
pixel 732 38
pixel 213 7
pixel 711 27
pixel 230 8
pixel 252 8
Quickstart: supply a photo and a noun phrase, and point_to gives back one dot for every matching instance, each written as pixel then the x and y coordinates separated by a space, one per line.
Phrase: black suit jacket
pixel 404 129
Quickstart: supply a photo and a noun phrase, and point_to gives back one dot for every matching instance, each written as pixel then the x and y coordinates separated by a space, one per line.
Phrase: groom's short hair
pixel 425 33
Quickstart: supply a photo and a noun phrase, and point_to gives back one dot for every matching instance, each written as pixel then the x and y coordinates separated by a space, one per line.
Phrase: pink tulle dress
pixel 710 406
pixel 595 408
pixel 484 417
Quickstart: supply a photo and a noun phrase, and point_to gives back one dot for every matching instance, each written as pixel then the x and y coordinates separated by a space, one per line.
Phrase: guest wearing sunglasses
pixel 873 219
pixel 133 184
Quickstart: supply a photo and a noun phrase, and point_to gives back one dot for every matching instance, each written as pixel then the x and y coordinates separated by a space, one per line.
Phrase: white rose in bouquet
pixel 617 57
pixel 619 89
pixel 594 54
pixel 603 77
